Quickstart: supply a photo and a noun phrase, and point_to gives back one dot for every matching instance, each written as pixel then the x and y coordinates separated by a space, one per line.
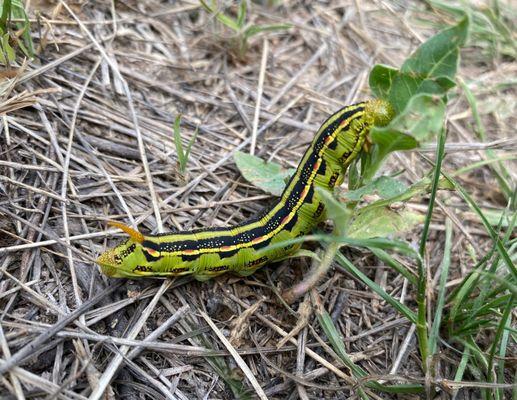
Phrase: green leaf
pixel 241 13
pixel 430 69
pixel 268 176
pixel 336 341
pixel 385 141
pixel 6 48
pixel 405 86
pixel 421 187
pixel 223 18
pixel 421 119
pixel 336 211
pixel 190 143
pixel 438 57
pixel 381 80
pixel 383 186
pixel 256 29
pixel 382 222
pixel 391 140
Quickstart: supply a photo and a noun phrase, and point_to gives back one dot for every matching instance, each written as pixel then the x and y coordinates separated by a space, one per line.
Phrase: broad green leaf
pixel 267 176
pixel 430 69
pixel 407 85
pixel 381 80
pixel 438 56
pixel 392 140
pixel 383 186
pixel 421 187
pixel 382 222
pixel 385 141
pixel 422 119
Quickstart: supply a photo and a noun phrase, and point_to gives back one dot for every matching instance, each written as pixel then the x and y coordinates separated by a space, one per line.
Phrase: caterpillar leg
pixel 245 271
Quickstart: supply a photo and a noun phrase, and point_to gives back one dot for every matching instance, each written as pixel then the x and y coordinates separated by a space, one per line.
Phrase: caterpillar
pixel 243 248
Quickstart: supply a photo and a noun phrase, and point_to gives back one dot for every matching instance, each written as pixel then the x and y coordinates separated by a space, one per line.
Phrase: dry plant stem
pixel 7 353
pixel 169 348
pixel 238 359
pixel 46 233
pixel 263 64
pixel 45 385
pixel 118 358
pixel 172 66
pixel 158 332
pixel 64 183
pixel 314 276
pixel 136 125
pixel 26 351
pixel 230 154
pixel 403 349
pixel 309 352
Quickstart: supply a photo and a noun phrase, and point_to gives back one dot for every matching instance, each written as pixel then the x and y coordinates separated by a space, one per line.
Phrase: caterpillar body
pixel 244 248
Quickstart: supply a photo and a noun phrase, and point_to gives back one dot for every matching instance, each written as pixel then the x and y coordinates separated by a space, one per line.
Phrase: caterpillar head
pixel 377 113
pixel 380 112
pixel 129 259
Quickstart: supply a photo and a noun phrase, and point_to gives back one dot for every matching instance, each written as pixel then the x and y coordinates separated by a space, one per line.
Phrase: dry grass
pixel 86 136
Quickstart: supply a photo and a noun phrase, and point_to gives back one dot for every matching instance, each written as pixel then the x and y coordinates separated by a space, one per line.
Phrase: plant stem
pixel 421 326
pixel 314 276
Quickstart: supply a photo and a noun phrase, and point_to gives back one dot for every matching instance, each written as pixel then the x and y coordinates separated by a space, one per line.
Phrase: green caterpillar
pixel 244 248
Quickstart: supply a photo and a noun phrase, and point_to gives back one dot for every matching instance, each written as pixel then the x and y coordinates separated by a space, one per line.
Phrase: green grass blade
pixel 350 267
pixel 503 180
pixel 478 164
pixel 221 17
pixel 6 12
pixel 460 372
pixel 497 340
pixel 337 342
pixel 401 269
pixel 421 326
pixel 440 302
pixel 502 351
pixel 190 143
pixel 241 14
pixel 499 245
pixel 182 158
pixel 256 29
pixel 337 345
